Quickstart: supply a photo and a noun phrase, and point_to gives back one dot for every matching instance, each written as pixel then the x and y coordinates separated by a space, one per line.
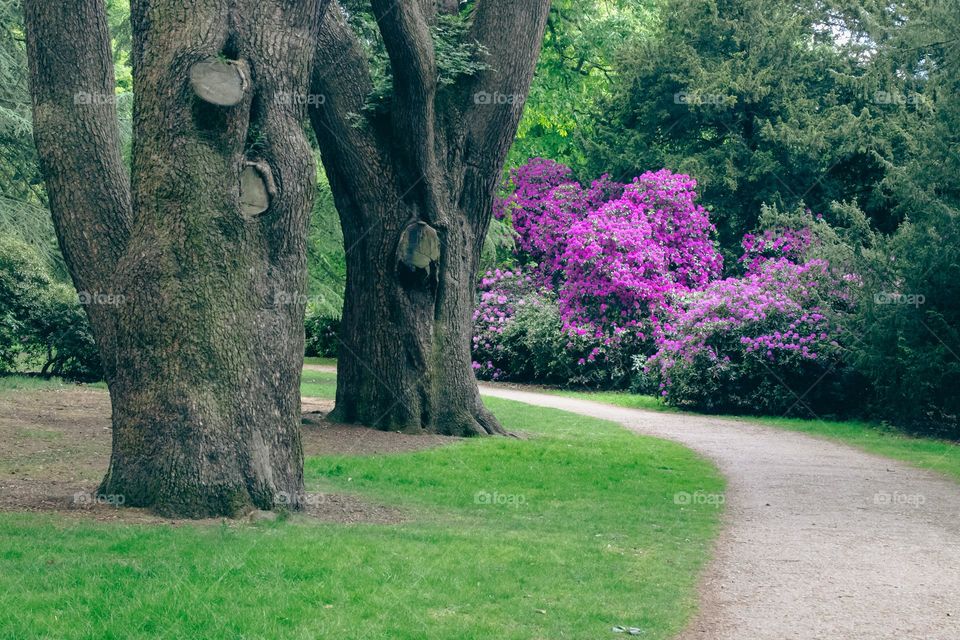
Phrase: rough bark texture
pixel 203 343
pixel 436 159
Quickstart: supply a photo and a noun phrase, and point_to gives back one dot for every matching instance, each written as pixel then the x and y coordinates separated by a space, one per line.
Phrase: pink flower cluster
pixel 500 293
pixel 614 253
pixel 634 270
pixel 781 311
pixel 789 244
pixel 545 203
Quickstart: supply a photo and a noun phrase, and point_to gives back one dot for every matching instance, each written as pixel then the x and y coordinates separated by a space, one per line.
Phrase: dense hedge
pixel 42 323
pixel 321 334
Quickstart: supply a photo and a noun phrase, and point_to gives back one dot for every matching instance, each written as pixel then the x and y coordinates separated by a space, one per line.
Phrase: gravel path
pixel 821 541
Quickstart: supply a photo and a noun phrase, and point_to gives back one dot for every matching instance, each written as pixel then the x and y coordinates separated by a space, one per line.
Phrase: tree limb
pixel 512 34
pixel 491 103
pixel 76 133
pixel 341 84
pixel 405 27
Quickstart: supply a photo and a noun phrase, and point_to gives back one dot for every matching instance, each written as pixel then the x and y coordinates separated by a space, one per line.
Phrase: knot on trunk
pixel 256 188
pixel 220 82
pixel 419 250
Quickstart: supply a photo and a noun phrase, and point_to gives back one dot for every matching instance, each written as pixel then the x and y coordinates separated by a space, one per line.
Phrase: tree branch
pixel 340 86
pixel 76 133
pixel 491 103
pixel 512 33
pixel 405 27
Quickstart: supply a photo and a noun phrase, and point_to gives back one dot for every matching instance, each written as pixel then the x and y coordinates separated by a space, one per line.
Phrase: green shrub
pixel 60 334
pixel 23 280
pixel 322 333
pixel 42 324
pixel 909 325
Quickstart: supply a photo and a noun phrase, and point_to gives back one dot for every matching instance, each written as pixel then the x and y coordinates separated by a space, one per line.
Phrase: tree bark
pixel 202 339
pixel 404 360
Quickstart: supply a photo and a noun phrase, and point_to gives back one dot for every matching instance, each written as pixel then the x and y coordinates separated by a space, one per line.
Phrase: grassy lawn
pixel 563 534
pixel 330 362
pixel 619 398
pixel 319 384
pixel 926 453
pixel 315 384
pixel 30 383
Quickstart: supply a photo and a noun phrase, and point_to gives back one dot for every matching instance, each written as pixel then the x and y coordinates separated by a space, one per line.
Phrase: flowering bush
pixel 519 336
pixel 782 242
pixel 500 294
pixel 608 256
pixel 617 274
pixel 545 203
pixel 769 342
pixel 625 260
pixel 614 274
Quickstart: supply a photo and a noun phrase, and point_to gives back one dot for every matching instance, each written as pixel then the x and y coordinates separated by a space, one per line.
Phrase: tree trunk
pixel 429 169
pixel 404 360
pixel 199 298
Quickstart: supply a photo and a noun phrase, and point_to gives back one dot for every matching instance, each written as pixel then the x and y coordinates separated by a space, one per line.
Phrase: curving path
pixel 821 541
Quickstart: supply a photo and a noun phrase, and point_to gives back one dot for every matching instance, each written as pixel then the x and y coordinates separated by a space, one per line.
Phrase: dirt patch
pixel 347 509
pixel 55 448
pixel 322 437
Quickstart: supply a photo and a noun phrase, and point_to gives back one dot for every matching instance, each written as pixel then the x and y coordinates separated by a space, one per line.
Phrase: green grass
pixel 619 398
pixel 584 535
pixel 319 384
pixel 30 383
pixel 36 383
pixel 926 453
pixel 316 384
pixel 330 362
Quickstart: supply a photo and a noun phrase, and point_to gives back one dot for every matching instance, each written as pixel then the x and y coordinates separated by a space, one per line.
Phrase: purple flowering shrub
pixel 624 261
pixel 602 261
pixel 768 342
pixel 778 243
pixel 614 274
pixel 679 225
pixel 500 293
pixel 545 203
pixel 620 278
pixel 519 336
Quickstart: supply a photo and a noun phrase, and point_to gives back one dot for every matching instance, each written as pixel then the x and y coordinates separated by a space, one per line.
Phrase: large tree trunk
pixel 427 170
pixel 204 274
pixel 404 360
